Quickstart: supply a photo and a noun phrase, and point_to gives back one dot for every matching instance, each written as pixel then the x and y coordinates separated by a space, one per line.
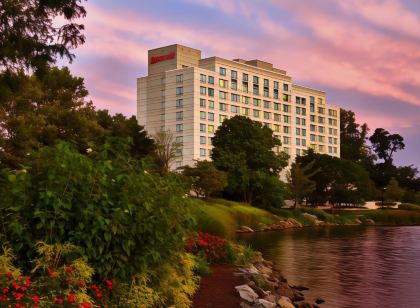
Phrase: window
pixel 304 142
pixel 245 111
pixel 277 117
pixel 179 127
pixel 321 120
pixel 266 92
pixel 286 119
pixel 297 131
pixel 321 110
pixel 223 83
pixel 202 102
pixel 321 129
pixel 303 132
pixel 286 129
pixel 303 111
pixel 245 87
pixel 255 80
pixel 276 84
pixel 276 106
pixel 285 87
pixel 162 105
pixel 297 110
pixel 320 101
pixel 211 92
pixel 276 94
pixel 234 109
pixel 298 152
pixel 276 128
pixel 211 104
pixel 256 113
pixel 297 141
pixel 321 139
pixel 256 89
pixel 312 118
pixel 286 108
pixel 330 150
pixel 203 128
pixel 330 140
pixel 180 90
pixel 303 121
pixel 179 115
pixel 211 80
pixel 202 152
pixel 222 71
pixel 312 99
pixel 179 139
pixel 267 104
pixel 286 140
pixel 202 139
pixel 234 97
pixel 202 78
pixel 298 121
pixel 162 117
pixel 285 98
pixel 203 90
pixel 234 85
pixel 330 131
pixel 245 77
pixel 335 140
pixel 303 101
pixel 211 116
pixel 179 78
pixel 179 103
pixel 266 115
pixel 256 102
pixel 162 93
pixel 312 128
pixel 245 100
pixel 209 141
pixel 222 107
pixel 222 117
pixel 297 100
pixel 312 137
pixel 312 107
pixel 234 74
pixel 222 95
pixel 202 115
pixel 210 128
pixel 266 83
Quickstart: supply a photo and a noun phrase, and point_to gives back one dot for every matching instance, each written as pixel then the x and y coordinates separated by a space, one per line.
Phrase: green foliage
pixel 299 182
pixel 124 219
pixel 202 266
pixel 409 207
pixel 387 217
pixel 393 191
pixel 32 37
pixel 207 180
pixel 385 145
pixel 244 150
pixel 240 255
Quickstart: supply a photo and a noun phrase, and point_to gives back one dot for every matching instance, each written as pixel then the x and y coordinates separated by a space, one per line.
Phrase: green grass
pixel 388 217
pixel 409 207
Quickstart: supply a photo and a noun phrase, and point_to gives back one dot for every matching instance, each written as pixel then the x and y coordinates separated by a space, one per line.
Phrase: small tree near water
pixel 299 182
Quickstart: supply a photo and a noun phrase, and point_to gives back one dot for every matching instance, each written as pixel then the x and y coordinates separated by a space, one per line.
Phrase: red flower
pixel 5 290
pixel 98 294
pixel 19 296
pixel 35 298
pixel 58 300
pixel 27 282
pixel 109 284
pixel 15 285
pixel 82 283
pixel 51 273
pixel 69 269
pixel 85 305
pixel 9 274
pixel 72 298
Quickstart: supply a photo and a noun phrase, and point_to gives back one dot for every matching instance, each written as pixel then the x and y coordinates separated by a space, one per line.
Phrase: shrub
pixel 409 207
pixel 209 246
pixel 124 219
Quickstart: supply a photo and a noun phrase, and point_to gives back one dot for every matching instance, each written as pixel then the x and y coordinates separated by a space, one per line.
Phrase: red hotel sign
pixel 169 56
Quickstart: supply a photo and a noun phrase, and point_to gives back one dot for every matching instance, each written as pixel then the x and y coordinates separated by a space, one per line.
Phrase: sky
pixel 364 53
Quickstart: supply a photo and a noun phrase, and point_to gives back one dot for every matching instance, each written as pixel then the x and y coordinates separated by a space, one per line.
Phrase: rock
pixel 260 292
pixel 245 305
pixel 298 296
pixel 300 288
pixel 319 301
pixel 262 303
pixel 285 290
pixel 285 302
pixel 294 223
pixel 270 298
pixel 245 229
pixel 264 269
pixel 306 305
pixel 369 222
pixel 246 293
pixel 263 227
pixel 358 221
pixel 253 270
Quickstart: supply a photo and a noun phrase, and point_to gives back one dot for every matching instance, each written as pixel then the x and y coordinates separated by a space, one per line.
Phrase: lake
pixel 348 266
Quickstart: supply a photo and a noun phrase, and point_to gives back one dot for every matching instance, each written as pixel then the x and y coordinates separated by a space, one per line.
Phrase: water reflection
pixel 348 266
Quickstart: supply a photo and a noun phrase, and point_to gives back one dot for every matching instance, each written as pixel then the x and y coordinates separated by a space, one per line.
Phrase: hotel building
pixel 191 97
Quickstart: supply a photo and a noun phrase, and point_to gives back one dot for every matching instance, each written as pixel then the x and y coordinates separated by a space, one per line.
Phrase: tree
pixel 244 150
pixel 207 180
pixel 30 35
pixel 39 110
pixel 385 145
pixel 166 150
pixel 353 138
pixel 299 182
pixel 393 192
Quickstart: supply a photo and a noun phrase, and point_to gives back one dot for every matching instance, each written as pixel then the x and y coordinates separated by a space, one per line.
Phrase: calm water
pixel 348 266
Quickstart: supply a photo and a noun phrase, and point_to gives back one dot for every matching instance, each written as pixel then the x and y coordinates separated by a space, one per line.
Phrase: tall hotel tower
pixel 191 97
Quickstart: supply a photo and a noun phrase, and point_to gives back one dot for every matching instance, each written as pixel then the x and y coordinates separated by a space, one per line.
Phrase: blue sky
pixel 364 53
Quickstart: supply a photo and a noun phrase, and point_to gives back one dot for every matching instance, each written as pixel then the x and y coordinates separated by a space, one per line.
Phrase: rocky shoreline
pixel 265 287
pixel 293 223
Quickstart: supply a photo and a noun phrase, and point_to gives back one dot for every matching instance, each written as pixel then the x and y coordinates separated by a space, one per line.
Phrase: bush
pixel 409 207
pixel 125 219
pixel 211 247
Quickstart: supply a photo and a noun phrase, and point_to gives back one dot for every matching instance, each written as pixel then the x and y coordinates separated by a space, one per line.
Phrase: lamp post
pixel 382 195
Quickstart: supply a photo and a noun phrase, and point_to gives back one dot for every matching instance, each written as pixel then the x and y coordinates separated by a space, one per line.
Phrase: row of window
pixel 245 77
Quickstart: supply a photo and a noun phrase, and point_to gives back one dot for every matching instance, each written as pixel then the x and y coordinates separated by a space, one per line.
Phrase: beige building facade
pixel 191 97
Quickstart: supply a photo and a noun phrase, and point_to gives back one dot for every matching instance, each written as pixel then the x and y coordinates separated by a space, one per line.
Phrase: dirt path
pixel 218 289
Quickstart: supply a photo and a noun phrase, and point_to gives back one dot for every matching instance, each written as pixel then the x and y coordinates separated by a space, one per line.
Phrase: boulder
pixel 246 293
pixel 260 292
pixel 285 302
pixel 253 270
pixel 306 305
pixel 263 227
pixel 245 229
pixel 358 221
pixel 300 288
pixel 285 290
pixel 262 303
pixel 294 223
pixel 369 222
